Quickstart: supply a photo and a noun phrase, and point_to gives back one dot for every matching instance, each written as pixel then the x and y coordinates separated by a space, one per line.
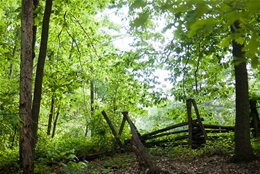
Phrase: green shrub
pixel 9 161
pixel 217 147
pixel 256 144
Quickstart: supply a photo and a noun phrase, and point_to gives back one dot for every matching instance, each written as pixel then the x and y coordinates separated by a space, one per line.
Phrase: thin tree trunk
pixel 51 115
pixel 35 5
pixel 243 149
pixel 12 137
pixel 255 117
pixel 92 100
pixel 92 97
pixel 39 71
pixel 26 66
pixel 55 123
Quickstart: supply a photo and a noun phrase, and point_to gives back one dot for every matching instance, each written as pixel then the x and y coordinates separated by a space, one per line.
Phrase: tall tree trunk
pixel 39 71
pixel 243 149
pixel 51 115
pixel 26 66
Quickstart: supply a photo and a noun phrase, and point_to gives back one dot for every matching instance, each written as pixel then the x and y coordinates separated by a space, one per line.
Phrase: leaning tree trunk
pixel 243 148
pixel 51 115
pixel 55 122
pixel 39 71
pixel 26 66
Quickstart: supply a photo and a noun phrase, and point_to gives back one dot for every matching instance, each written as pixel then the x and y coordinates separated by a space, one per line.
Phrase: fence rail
pixel 195 135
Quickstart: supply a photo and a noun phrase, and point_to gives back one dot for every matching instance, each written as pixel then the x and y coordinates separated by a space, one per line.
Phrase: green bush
pixel 217 147
pixel 9 161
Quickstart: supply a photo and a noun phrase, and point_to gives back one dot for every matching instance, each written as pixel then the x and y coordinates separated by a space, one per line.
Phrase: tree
pixel 211 20
pixel 243 149
pixel 26 149
pixel 39 71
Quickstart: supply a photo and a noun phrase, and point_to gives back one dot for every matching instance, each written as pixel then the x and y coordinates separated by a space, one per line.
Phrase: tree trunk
pixel 243 148
pixel 26 66
pixel 92 100
pixel 255 117
pixel 35 5
pixel 39 71
pixel 51 115
pixel 55 123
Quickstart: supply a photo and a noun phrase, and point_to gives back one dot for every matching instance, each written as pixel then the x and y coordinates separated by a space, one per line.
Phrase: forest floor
pixel 126 163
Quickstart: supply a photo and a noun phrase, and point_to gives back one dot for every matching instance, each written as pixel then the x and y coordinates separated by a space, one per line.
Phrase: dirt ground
pixel 213 164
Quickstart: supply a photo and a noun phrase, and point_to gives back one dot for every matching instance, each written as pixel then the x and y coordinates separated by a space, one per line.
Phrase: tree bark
pixel 92 100
pixel 51 115
pixel 243 148
pixel 55 122
pixel 26 66
pixel 39 71
pixel 35 5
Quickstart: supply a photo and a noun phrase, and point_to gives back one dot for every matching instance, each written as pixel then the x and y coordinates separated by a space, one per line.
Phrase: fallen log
pixel 146 163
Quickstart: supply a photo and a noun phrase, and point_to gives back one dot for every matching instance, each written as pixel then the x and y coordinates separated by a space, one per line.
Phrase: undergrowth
pixel 60 155
pixel 217 147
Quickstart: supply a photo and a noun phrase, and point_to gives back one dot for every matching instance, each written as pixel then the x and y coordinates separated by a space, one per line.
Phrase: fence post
pixel 112 129
pixel 199 120
pixel 188 106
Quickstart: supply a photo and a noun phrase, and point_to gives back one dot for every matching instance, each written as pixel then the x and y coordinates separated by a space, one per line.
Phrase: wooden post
pixel 146 162
pixel 122 126
pixel 199 119
pixel 112 129
pixel 188 105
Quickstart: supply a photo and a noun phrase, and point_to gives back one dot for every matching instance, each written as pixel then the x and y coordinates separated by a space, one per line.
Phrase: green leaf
pixel 141 20
pixel 225 42
pixel 231 17
pixel 240 40
pixel 255 62
pixel 138 4
pixel 204 24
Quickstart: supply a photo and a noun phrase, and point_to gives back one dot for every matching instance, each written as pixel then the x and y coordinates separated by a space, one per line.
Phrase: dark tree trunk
pixel 243 149
pixel 51 116
pixel 12 136
pixel 55 123
pixel 92 100
pixel 39 71
pixel 255 117
pixel 26 66
pixel 35 5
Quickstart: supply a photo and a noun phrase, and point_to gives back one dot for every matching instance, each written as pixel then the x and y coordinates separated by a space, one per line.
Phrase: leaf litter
pixel 208 164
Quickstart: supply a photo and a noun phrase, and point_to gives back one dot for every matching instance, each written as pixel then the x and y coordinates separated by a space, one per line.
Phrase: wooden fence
pixel 192 133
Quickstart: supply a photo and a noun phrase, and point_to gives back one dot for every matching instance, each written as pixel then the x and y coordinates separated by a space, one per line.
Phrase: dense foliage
pixel 86 71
